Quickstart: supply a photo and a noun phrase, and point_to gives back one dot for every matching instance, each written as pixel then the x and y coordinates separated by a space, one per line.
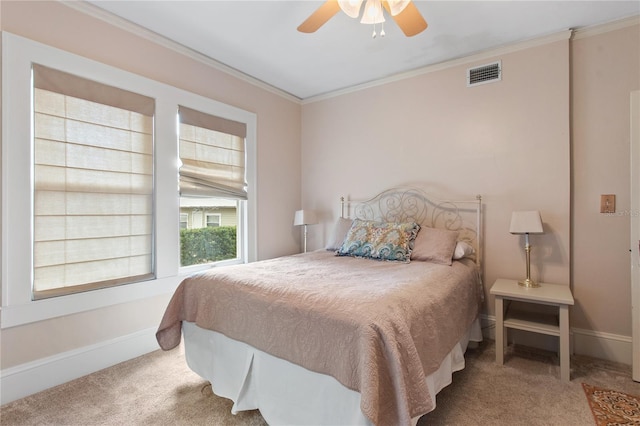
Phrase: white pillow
pixel 340 230
pixel 463 249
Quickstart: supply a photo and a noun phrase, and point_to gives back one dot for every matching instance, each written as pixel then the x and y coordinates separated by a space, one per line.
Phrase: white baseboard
pixel 607 346
pixel 612 347
pixel 29 378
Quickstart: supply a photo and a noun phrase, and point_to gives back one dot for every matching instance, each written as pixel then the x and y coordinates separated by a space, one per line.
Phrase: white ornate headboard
pixel 405 204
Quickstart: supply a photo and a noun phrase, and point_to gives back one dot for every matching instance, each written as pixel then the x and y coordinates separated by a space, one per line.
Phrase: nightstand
pixel 547 294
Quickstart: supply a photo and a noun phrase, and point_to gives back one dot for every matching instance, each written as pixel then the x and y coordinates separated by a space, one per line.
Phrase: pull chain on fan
pixel 373 15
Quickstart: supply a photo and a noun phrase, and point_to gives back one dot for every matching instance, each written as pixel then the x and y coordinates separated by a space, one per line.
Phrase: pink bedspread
pixel 378 327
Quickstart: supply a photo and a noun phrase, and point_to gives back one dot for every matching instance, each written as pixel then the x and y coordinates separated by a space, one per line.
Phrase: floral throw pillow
pixel 379 240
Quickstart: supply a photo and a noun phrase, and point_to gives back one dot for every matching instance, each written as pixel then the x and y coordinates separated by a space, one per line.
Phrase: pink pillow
pixel 434 245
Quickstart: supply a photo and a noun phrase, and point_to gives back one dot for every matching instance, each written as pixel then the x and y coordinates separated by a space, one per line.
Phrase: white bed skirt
pixel 285 393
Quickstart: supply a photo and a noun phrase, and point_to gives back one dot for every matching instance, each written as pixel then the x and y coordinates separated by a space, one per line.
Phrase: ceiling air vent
pixel 484 74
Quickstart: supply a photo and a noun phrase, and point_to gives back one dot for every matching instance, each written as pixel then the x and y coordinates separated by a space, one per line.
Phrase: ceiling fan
pixel 403 12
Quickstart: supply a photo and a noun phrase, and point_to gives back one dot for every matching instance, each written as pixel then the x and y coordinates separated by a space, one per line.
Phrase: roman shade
pixel 93 184
pixel 212 152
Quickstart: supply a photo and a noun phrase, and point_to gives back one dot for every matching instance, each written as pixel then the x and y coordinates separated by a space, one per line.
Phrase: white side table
pixel 546 294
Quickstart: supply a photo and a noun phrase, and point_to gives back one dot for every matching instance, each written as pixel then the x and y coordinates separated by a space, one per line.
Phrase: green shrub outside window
pixel 206 245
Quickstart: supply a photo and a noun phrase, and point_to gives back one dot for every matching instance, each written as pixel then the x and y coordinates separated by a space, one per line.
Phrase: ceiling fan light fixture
pixel 350 7
pixel 372 13
pixel 405 14
pixel 397 6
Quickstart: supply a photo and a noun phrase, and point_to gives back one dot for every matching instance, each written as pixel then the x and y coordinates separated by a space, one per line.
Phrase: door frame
pixel 634 215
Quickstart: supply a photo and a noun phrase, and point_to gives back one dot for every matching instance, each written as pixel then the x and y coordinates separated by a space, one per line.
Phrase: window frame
pixel 206 219
pixel 186 220
pixel 18 54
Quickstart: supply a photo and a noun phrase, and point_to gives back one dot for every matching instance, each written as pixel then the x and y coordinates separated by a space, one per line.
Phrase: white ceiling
pixel 259 38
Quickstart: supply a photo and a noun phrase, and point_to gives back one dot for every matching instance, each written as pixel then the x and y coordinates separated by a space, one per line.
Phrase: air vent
pixel 484 74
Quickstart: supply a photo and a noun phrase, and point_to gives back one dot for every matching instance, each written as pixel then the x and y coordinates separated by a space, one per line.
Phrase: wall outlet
pixel 607 203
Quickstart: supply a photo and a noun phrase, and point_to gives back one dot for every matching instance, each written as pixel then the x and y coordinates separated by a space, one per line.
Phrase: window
pixel 214 219
pixel 213 187
pixel 184 220
pixel 162 270
pixel 93 184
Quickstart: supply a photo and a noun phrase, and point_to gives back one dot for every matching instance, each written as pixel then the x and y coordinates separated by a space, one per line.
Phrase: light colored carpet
pixel 159 389
pixel 525 390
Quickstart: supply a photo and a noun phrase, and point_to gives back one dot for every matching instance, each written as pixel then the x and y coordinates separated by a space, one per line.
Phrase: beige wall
pixel 278 161
pixel 508 141
pixel 605 69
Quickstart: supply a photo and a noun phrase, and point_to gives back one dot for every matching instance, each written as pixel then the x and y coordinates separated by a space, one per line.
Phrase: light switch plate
pixel 607 203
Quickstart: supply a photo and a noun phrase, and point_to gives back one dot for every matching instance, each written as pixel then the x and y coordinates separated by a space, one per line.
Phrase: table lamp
pixel 304 218
pixel 526 222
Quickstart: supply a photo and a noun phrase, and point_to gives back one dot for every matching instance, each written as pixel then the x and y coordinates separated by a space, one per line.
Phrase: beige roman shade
pixel 212 151
pixel 93 184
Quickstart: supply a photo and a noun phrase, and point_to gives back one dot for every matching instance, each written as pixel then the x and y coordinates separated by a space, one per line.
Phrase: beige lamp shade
pixel 526 222
pixel 305 217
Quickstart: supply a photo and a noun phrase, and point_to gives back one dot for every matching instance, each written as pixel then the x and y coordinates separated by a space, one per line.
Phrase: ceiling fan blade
pixel 319 17
pixel 409 20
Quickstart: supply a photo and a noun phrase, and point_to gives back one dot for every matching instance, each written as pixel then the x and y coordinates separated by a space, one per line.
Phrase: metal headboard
pixel 414 205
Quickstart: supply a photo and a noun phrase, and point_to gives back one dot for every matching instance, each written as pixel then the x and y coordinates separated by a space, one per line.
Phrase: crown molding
pixel 483 55
pixel 110 18
pixel 570 34
pixel 574 34
pixel 593 30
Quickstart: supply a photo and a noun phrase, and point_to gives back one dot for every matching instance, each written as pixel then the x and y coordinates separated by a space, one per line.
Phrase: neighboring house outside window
pixel 202 212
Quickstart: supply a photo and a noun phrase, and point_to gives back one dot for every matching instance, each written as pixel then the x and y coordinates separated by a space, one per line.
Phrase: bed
pixel 366 331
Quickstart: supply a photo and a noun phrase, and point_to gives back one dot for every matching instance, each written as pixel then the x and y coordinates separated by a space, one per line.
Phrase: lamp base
pixel 528 283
